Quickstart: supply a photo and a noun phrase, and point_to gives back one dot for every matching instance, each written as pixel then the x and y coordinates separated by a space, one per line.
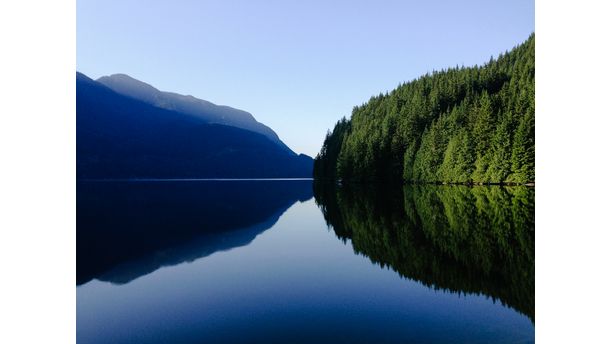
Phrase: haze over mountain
pixel 212 113
pixel 120 136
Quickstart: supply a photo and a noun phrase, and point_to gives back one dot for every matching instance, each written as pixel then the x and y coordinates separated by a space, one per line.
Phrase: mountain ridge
pixel 188 104
pixel 122 137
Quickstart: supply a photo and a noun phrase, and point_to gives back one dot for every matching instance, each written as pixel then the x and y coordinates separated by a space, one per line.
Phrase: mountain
pixel 212 113
pixel 123 137
pixel 460 125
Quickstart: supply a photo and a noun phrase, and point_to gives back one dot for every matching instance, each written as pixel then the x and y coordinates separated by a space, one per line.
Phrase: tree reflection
pixel 467 240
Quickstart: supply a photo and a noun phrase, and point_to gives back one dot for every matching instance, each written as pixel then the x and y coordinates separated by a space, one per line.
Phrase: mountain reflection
pixel 476 240
pixel 129 229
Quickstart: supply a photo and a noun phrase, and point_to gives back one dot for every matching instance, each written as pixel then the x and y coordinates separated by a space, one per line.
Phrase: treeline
pixel 460 125
pixel 460 239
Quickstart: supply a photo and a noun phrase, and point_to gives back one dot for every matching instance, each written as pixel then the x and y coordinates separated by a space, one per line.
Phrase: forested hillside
pixel 459 125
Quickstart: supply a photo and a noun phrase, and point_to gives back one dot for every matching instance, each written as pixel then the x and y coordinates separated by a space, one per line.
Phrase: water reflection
pixel 460 239
pixel 284 277
pixel 129 229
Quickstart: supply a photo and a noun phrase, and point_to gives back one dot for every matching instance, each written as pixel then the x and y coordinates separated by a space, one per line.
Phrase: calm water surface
pixel 271 262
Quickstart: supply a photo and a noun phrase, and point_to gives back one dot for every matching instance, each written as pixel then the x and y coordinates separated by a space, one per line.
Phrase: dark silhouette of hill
pixel 129 229
pixel 122 137
pixel 212 113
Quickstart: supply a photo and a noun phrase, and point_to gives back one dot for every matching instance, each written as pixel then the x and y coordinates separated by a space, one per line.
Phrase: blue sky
pixel 297 66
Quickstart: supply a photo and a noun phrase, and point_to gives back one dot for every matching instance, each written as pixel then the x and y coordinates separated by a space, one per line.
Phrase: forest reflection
pixel 459 239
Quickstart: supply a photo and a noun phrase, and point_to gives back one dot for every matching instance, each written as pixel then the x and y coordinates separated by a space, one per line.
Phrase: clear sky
pixel 297 66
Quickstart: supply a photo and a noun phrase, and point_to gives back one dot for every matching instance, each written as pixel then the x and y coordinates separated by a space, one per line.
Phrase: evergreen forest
pixel 459 125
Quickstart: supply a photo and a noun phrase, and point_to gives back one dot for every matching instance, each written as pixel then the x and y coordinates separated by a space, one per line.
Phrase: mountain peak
pixel 126 85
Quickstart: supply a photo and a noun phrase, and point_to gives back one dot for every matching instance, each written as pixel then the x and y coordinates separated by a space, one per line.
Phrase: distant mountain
pixel 123 137
pixel 212 113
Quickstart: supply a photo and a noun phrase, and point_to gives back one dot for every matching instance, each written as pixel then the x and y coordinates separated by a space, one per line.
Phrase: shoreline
pixel 471 184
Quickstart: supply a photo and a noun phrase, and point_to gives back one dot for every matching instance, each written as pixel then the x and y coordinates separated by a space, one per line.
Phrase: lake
pixel 286 261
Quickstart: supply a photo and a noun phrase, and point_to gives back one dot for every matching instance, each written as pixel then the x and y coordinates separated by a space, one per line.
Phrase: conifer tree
pixel 462 124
